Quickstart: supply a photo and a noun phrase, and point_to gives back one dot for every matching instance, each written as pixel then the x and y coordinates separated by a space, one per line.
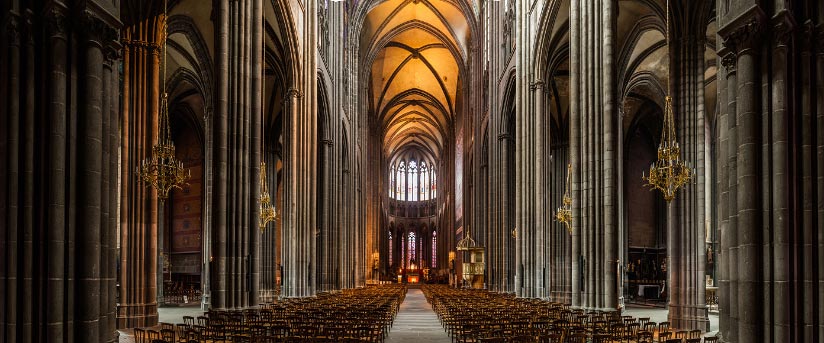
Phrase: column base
pixel 689 317
pixel 136 315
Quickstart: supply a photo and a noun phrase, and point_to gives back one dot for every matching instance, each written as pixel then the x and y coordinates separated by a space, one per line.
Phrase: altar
pixel 412 275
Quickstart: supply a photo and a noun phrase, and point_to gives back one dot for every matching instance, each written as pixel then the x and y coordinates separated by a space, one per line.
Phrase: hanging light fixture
pixel 564 213
pixel 669 173
pixel 162 171
pixel 268 213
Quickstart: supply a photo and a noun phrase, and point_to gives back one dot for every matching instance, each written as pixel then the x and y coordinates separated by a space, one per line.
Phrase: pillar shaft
pixel 138 233
pixel 686 249
pixel 593 138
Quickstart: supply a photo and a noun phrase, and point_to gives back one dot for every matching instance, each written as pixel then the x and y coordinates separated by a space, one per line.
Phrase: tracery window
pixel 412 181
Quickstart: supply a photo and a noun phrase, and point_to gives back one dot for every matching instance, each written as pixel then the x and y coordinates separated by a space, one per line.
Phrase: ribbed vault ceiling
pixel 416 49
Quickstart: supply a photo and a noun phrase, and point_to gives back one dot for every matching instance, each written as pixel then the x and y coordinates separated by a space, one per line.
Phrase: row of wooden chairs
pixel 358 315
pixel 475 316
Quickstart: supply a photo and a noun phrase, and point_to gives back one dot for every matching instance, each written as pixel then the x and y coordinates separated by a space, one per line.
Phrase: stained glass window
pixel 401 182
pixel 392 182
pixel 434 184
pixel 424 182
pixel 413 181
pixel 434 249
pixel 410 249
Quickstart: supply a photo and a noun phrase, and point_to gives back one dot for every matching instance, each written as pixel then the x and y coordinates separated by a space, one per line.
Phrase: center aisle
pixel 416 322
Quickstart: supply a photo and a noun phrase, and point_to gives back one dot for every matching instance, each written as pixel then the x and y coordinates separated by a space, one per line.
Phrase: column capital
pixel 783 25
pixel 728 61
pixel 537 84
pixel 13 30
pixel 95 30
pixel 28 26
pixel 327 142
pixel 742 34
pixel 56 22
pixel 807 37
pixel 293 93
pixel 505 136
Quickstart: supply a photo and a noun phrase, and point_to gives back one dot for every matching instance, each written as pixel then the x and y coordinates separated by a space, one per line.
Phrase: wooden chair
pixel 601 338
pixel 551 338
pixel 682 334
pixel 152 335
pixel 139 335
pixel 521 339
pixel 645 337
pixel 577 338
pixel 663 327
pixel 168 335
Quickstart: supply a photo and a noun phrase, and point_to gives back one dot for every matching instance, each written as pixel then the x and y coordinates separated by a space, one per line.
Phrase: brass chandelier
pixel 162 171
pixel 564 213
pixel 669 173
pixel 268 213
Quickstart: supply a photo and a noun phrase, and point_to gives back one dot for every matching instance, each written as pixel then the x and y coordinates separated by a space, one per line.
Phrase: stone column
pixel 726 82
pixel 138 254
pixel 56 236
pixel 507 266
pixel 325 251
pixel 55 276
pixel 12 143
pixel 819 123
pixel 541 134
pixel 90 137
pixel 235 280
pixel 779 122
pixel 594 137
pixel 748 205
pixel 686 251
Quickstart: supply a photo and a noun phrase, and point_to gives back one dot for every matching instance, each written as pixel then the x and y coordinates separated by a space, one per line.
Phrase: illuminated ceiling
pixel 416 49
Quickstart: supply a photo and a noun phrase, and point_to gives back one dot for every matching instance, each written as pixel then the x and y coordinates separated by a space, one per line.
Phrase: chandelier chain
pixel 268 212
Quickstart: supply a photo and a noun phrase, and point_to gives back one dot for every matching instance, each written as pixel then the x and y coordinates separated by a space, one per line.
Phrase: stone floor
pixel 172 315
pixel 416 322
